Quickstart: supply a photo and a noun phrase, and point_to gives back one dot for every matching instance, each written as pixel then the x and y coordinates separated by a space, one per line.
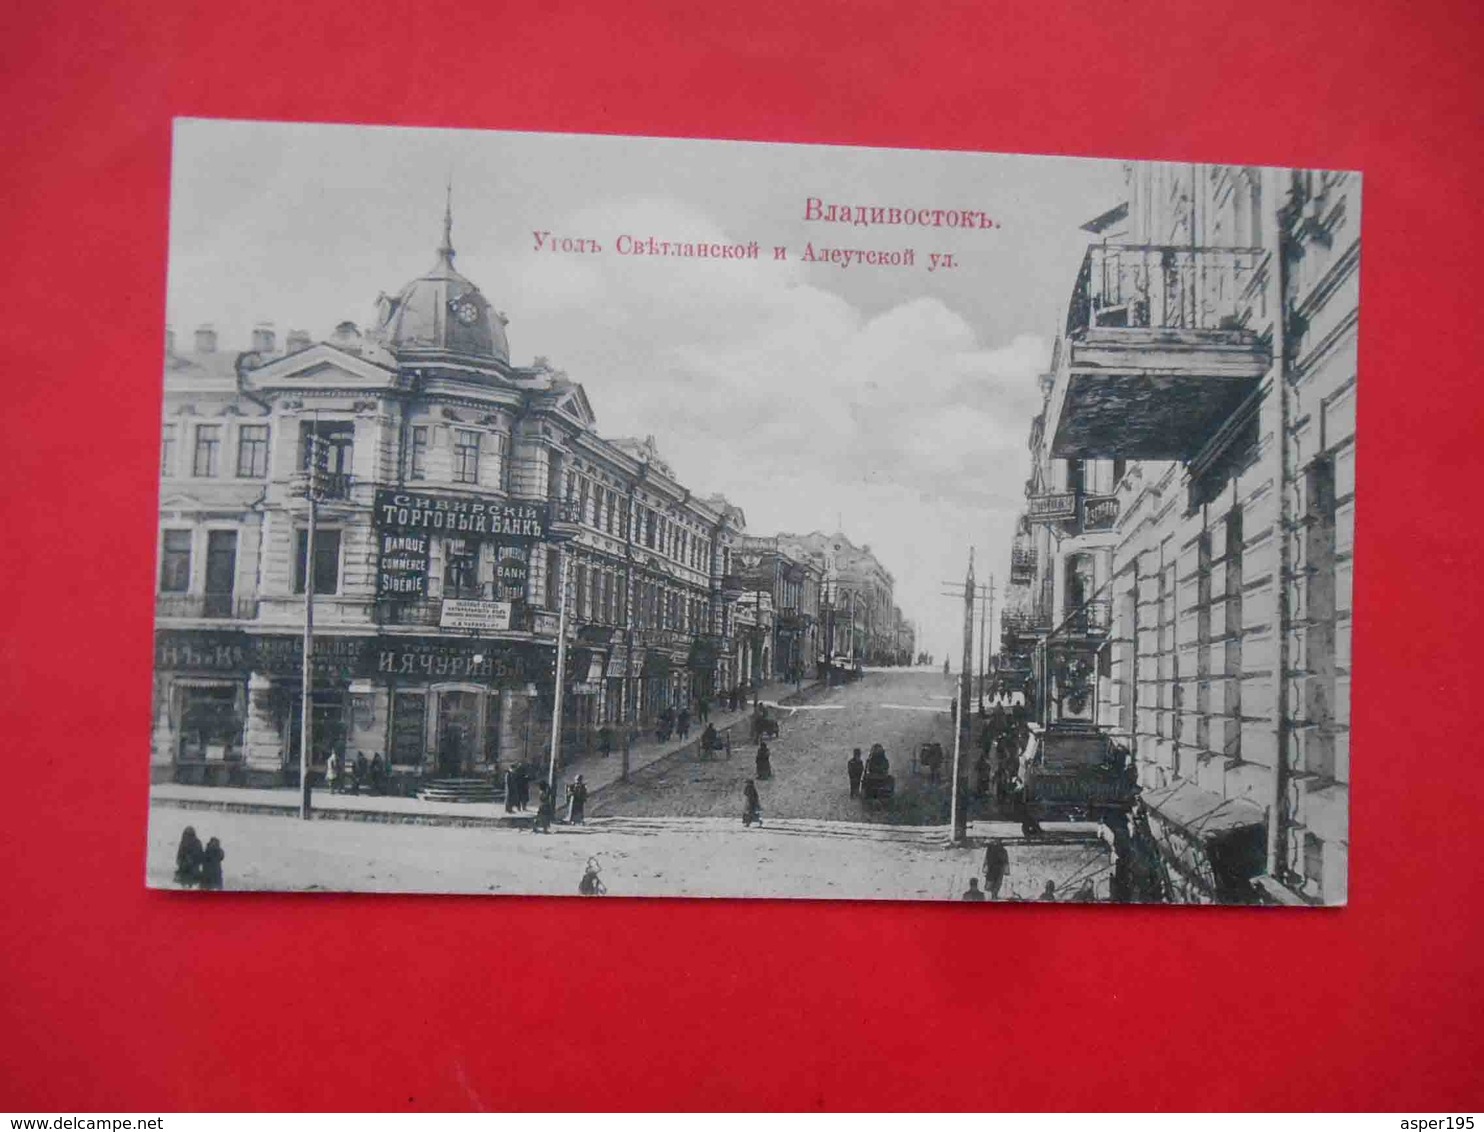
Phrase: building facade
pixel 858 616
pixel 459 495
pixel 1191 516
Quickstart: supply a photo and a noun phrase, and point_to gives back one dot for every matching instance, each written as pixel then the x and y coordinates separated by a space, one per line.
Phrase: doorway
pixel 458 732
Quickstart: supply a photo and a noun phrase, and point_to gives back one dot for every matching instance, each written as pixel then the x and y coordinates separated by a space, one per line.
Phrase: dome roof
pixel 442 312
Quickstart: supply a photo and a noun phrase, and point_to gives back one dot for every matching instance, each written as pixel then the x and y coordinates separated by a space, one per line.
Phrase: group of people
pixel 546 804
pixel 517 787
pixel 856 768
pixel 339 777
pixel 197 865
pixel 1001 740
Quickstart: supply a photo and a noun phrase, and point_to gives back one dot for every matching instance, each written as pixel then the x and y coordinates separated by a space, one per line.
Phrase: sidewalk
pixel 597 772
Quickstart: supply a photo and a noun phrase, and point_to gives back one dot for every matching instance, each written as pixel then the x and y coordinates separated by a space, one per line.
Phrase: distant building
pixel 857 608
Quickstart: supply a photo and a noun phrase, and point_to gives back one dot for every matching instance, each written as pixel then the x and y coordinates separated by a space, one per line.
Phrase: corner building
pixel 1193 510
pixel 455 486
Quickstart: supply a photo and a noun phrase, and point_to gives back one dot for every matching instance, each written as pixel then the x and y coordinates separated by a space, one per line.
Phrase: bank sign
pixel 417 512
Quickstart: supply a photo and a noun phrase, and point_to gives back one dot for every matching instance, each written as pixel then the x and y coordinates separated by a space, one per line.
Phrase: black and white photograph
pixel 559 514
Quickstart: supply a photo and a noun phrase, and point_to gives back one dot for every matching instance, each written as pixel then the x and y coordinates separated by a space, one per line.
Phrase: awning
pixel 1201 812
pixel 1213 848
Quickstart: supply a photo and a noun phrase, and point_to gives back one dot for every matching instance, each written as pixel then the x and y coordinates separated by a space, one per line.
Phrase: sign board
pixel 463 613
pixel 1053 508
pixel 402 570
pixel 418 512
pixel 510 574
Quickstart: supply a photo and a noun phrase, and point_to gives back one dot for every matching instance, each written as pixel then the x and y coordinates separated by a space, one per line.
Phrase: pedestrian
pixel 982 775
pixel 764 762
pixel 703 709
pixel 211 864
pixel 591 885
pixel 996 865
pixel 522 787
pixel 545 810
pixel 188 859
pixel 605 740
pixel 1049 894
pixel 752 807
pixel 334 771
pixel 361 773
pixel 855 768
pixel 378 774
pixel 512 791
pixel 576 801
pixel 684 723
pixel 973 892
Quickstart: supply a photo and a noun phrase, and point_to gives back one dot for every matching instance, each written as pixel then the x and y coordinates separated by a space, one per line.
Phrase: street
pixel 898 708
pixel 675 828
pixel 654 857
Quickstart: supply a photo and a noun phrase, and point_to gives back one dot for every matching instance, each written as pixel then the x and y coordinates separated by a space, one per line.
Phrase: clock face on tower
pixel 466 311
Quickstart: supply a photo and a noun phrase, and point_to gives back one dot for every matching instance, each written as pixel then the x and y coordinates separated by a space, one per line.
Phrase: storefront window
pixel 210 727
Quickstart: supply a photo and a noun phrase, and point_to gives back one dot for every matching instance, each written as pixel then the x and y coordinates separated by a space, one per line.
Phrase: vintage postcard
pixel 579 515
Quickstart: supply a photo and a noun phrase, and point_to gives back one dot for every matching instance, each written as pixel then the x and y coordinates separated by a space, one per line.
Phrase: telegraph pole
pixel 306 690
pixel 561 665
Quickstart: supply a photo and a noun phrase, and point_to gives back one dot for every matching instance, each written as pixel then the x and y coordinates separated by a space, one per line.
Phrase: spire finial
pixel 446 249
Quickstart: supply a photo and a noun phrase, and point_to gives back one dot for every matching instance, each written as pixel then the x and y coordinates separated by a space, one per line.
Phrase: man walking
pixel 855 768
pixel 996 864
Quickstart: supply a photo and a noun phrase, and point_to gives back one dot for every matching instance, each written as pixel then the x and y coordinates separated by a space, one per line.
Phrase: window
pixel 326 561
pixel 167 450
pixel 252 451
pixel 649 528
pixel 461 568
pixel 582 507
pixel 417 459
pixel 465 456
pixel 336 442
pixel 175 562
pixel 208 450
pixel 553 578
pixel 221 572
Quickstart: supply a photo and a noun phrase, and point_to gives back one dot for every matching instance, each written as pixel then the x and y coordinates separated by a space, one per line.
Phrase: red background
pixel 119 998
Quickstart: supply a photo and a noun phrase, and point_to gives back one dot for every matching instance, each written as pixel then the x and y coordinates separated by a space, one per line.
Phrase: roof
pixel 442 312
pixel 1201 812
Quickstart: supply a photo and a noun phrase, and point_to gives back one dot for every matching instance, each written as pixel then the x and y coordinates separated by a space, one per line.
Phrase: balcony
pixel 1162 345
pixel 222 607
pixel 1091 619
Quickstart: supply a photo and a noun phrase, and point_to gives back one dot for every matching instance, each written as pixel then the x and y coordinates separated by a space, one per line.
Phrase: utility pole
pixel 561 665
pixel 958 817
pixel 312 487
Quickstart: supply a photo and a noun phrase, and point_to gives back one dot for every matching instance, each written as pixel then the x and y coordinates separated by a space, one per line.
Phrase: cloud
pixel 762 384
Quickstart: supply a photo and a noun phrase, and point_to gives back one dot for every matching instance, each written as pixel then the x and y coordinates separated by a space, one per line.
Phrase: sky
pixel 892 403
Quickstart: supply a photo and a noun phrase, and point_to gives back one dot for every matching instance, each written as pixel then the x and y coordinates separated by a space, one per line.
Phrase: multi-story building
pixel 856 596
pixel 1194 488
pixel 456 489
pixel 781 593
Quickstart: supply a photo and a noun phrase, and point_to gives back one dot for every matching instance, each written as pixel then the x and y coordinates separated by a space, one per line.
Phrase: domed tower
pixel 441 314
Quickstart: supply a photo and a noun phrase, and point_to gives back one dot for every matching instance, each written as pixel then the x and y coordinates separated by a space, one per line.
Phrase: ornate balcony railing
pixel 223 606
pixel 1165 287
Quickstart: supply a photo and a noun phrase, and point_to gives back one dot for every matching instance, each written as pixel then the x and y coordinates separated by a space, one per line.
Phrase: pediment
pixel 321 365
pixel 574 405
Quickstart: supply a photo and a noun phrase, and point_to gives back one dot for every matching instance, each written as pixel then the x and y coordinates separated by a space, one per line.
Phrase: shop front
pixel 200 706
pixel 229 705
